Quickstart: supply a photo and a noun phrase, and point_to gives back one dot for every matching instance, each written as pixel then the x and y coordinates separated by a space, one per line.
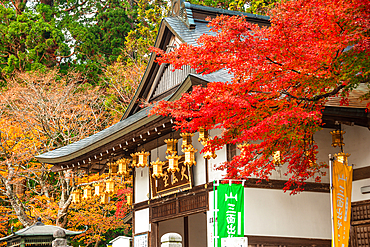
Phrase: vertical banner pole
pixel 331 199
pixel 215 239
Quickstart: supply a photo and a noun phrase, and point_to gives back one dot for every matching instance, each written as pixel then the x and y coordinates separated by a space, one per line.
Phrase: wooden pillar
pixel 154 239
pixel 206 167
pixel 186 231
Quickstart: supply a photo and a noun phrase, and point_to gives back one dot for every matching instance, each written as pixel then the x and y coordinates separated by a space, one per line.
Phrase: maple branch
pixel 318 97
pixel 280 64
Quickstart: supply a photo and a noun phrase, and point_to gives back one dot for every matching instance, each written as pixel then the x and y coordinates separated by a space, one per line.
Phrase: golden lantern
pixel 143 159
pixel 135 159
pixel 242 149
pixel 173 163
pixel 171 146
pixel 113 168
pixel 76 196
pixel 203 135
pixel 104 198
pixel 88 192
pixel 208 155
pixel 157 168
pixel 186 139
pixel 310 157
pixel 129 199
pixel 99 189
pixel 190 155
pixel 123 166
pixel 276 158
pixel 337 137
pixel 109 186
pixel 342 158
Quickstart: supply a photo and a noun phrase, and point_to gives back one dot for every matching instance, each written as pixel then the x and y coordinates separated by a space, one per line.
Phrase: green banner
pixel 230 212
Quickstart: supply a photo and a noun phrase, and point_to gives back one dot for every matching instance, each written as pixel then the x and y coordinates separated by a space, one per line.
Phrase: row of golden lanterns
pixel 104 191
pixel 337 141
pixel 140 159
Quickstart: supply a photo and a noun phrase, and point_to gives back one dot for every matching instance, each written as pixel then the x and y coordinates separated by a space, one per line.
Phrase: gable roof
pixel 187 28
pixel 178 26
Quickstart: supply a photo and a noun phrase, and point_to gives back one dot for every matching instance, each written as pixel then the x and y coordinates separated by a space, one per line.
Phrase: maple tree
pixel 40 112
pixel 282 76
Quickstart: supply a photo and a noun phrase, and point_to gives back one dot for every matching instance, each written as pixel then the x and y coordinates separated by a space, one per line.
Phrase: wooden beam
pixel 279 184
pixel 361 173
pixel 287 241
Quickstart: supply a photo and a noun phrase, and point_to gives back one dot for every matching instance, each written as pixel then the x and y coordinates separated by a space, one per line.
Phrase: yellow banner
pixel 342 188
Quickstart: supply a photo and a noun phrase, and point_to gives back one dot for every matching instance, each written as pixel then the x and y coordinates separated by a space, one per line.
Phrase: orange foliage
pixel 40 112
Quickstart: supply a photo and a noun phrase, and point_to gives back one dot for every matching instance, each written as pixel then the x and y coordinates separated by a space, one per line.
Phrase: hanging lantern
pixel 242 147
pixel 208 155
pixel 203 135
pixel 104 198
pixel 308 141
pixel 276 158
pixel 87 192
pixel 310 156
pixel 109 186
pixel 171 146
pixel 337 137
pixel 186 139
pixel 342 158
pixel 99 189
pixel 190 155
pixel 76 196
pixel 113 168
pixel 143 158
pixel 157 168
pixel 173 163
pixel 129 199
pixel 123 166
pixel 135 159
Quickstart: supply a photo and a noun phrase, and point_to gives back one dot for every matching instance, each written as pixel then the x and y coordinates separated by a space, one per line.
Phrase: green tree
pixel 85 36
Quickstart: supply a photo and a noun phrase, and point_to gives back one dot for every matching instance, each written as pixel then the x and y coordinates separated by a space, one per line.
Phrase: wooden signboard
pixel 171 183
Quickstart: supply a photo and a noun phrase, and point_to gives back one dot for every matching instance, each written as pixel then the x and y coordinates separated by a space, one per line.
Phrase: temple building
pixel 173 184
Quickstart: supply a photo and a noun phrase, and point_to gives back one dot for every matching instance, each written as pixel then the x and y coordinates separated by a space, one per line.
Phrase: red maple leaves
pixel 282 76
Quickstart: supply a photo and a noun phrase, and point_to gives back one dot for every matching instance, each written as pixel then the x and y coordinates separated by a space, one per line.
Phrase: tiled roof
pixel 187 35
pixel 354 98
pixel 88 141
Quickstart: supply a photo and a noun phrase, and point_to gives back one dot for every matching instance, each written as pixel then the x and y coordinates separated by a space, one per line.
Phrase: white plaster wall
pixel 141 184
pixel 174 225
pixel 270 212
pixel 197 230
pixel 161 153
pixel 213 173
pixel 356 140
pixel 199 170
pixel 356 190
pixel 141 221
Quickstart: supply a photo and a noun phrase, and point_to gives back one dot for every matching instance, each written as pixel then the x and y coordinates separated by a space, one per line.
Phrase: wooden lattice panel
pixel 362 234
pixel 164 210
pixel 361 212
pixel 180 206
pixel 194 202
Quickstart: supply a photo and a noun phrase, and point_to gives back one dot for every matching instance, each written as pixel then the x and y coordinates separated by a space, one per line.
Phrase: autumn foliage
pixel 40 112
pixel 282 76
